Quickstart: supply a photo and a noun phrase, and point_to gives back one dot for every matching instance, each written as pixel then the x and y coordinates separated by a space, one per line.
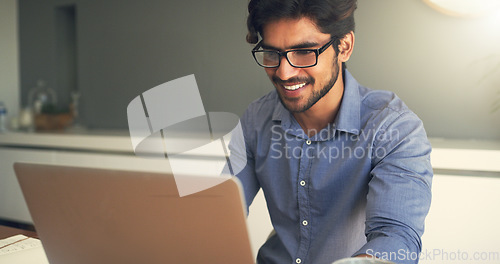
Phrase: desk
pixel 29 251
pixel 6 232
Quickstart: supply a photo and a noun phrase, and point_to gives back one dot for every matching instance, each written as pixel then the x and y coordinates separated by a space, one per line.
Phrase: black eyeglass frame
pixel 317 51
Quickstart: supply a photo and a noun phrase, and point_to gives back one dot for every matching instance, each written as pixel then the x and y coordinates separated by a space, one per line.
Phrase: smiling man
pixel 345 169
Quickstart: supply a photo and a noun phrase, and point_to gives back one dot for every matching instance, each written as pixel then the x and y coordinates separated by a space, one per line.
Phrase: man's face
pixel 300 88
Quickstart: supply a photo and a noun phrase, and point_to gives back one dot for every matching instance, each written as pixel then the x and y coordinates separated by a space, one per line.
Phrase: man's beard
pixel 315 96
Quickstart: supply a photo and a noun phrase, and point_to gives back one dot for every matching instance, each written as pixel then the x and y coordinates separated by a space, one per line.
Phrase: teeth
pixel 294 87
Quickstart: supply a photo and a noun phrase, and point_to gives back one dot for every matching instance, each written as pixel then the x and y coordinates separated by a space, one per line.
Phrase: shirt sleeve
pixel 399 194
pixel 242 159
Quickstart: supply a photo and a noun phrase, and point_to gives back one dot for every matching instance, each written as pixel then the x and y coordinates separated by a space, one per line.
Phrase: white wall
pixel 447 69
pixel 9 59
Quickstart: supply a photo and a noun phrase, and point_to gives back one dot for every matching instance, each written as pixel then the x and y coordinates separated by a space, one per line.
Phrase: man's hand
pixel 364 256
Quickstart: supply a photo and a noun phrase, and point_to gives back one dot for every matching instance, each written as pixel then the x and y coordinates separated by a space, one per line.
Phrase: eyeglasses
pixel 298 58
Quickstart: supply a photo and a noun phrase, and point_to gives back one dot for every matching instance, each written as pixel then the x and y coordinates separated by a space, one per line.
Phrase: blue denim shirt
pixel 360 185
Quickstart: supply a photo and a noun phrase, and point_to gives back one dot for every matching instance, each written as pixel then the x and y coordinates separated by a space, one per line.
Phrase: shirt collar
pixel 285 118
pixel 348 117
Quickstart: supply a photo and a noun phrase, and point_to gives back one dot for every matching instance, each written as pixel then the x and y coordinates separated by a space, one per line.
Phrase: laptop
pixel 88 215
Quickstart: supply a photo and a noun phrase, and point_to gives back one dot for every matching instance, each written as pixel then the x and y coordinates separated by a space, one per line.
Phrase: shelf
pixel 97 140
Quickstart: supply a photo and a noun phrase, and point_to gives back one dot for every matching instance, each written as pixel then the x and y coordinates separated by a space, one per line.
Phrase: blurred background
pixel 446 68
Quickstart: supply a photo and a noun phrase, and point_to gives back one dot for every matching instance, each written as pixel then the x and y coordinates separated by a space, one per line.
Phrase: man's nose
pixel 285 71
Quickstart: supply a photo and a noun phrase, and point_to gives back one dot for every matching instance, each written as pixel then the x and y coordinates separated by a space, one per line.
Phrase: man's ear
pixel 346 47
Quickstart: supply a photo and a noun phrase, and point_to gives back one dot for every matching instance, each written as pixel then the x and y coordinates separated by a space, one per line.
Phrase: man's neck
pixel 323 112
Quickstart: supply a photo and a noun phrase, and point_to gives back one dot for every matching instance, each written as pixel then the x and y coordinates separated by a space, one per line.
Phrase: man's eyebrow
pixel 303 45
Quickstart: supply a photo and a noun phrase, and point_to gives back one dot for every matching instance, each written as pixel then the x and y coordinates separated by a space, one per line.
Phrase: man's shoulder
pixel 372 101
pixel 381 100
pixel 268 100
pixel 383 109
pixel 263 107
pixel 259 116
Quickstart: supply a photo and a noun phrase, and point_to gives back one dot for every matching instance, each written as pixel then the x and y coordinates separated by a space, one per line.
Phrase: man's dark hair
pixel 334 17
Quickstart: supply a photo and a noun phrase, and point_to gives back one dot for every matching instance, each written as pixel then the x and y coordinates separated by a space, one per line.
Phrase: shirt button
pixel 302 183
pixel 308 142
pixel 304 223
pixel 298 261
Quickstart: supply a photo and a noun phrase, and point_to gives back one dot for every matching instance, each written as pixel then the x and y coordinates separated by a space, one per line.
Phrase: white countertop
pixel 471 155
pixel 467 155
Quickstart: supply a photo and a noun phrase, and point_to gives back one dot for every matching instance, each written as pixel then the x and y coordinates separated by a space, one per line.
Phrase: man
pixel 345 170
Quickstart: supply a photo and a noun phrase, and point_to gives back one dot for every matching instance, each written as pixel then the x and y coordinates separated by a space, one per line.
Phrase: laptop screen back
pixel 85 215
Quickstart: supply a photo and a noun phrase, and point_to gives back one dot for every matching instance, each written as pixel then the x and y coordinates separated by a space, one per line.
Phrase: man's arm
pixel 399 193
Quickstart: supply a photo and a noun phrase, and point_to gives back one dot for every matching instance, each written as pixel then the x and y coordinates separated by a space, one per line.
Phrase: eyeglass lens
pixel 301 58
